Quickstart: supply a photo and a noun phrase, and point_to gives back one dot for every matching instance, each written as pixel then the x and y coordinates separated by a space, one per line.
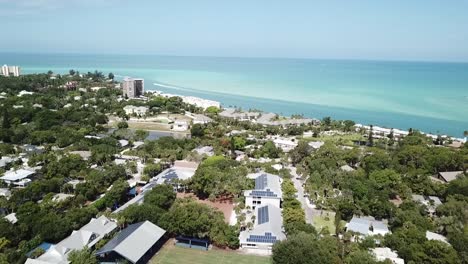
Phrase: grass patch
pixel 325 220
pixel 346 139
pixel 176 255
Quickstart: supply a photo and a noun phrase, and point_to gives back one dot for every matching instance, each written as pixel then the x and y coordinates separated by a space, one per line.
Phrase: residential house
pixel 347 168
pixel 315 145
pixel 4 192
pixel 385 253
pixel 285 144
pixel 180 125
pixel 136 244
pixel 431 202
pixel 201 119
pixel 205 150
pixel 19 177
pixel 266 231
pixel 434 236
pixel 136 110
pixel 267 190
pixel 5 161
pixel 11 218
pixel 367 226
pixel 449 176
pixel 87 236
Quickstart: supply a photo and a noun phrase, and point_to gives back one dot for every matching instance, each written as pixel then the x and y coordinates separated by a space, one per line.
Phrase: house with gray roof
pixel 5 193
pixel 367 226
pixel 449 176
pixel 431 202
pixel 434 236
pixel 267 190
pixel 19 177
pixel 137 244
pixel 266 231
pixel 87 236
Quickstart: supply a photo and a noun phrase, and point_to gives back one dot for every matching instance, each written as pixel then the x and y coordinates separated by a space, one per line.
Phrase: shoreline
pixel 358 124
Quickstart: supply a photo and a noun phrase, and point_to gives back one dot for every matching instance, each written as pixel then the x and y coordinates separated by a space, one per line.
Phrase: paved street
pixel 308 209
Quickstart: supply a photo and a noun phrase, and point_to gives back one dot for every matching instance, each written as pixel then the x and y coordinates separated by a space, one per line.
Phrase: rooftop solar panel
pixel 261 182
pixel 263 215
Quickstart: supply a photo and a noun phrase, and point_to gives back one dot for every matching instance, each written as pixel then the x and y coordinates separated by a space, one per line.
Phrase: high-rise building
pixel 133 87
pixel 10 70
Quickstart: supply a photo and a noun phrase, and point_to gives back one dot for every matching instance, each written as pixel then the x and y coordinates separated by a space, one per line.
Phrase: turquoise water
pixel 432 97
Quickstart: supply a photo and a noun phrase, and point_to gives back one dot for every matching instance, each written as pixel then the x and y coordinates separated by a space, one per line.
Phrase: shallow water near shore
pixel 432 97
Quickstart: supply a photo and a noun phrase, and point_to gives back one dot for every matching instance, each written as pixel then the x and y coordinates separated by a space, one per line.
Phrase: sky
pixel 434 30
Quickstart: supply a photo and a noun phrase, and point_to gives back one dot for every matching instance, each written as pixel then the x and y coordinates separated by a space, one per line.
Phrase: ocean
pixel 429 96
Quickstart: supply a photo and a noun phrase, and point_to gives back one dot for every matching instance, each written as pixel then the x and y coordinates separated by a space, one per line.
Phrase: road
pixel 306 206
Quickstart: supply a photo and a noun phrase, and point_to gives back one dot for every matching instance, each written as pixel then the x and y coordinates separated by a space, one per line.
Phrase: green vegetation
pixel 177 255
pixel 384 175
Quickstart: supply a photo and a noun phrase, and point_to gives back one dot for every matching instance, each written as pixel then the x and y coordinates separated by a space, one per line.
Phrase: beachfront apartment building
pixel 10 71
pixel 133 87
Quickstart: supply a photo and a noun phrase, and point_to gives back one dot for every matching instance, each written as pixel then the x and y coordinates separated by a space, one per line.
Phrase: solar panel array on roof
pixel 266 193
pixel 263 215
pixel 261 182
pixel 170 175
pixel 267 238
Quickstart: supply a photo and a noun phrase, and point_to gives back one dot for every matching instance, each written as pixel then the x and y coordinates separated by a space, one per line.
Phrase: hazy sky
pixel 350 29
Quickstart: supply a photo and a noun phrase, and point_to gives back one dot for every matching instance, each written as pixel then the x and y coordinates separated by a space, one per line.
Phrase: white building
pixel 205 150
pixel 199 102
pixel 285 144
pixel 87 236
pixel 180 125
pixel 10 70
pixel 201 119
pixel 367 226
pixel 315 145
pixel 431 202
pixel 5 193
pixel 434 236
pixel 266 231
pixel 17 177
pixel 382 254
pixel 137 110
pixel 24 92
pixel 267 190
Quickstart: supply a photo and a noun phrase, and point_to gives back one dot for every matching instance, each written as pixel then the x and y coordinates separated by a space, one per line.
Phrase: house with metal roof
pixel 5 193
pixel 367 226
pixel 267 190
pixel 385 253
pixel 17 177
pixel 449 176
pixel 434 236
pixel 431 202
pixel 137 244
pixel 266 231
pixel 87 236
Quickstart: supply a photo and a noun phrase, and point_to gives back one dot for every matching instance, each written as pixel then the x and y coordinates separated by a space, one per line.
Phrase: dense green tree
pixel 162 196
pixel 305 248
pixel 84 256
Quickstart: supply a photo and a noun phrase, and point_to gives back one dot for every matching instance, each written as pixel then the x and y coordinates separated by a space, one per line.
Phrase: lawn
pixel 170 254
pixel 320 221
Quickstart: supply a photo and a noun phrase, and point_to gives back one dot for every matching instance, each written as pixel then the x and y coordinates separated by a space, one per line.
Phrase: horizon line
pixel 239 57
